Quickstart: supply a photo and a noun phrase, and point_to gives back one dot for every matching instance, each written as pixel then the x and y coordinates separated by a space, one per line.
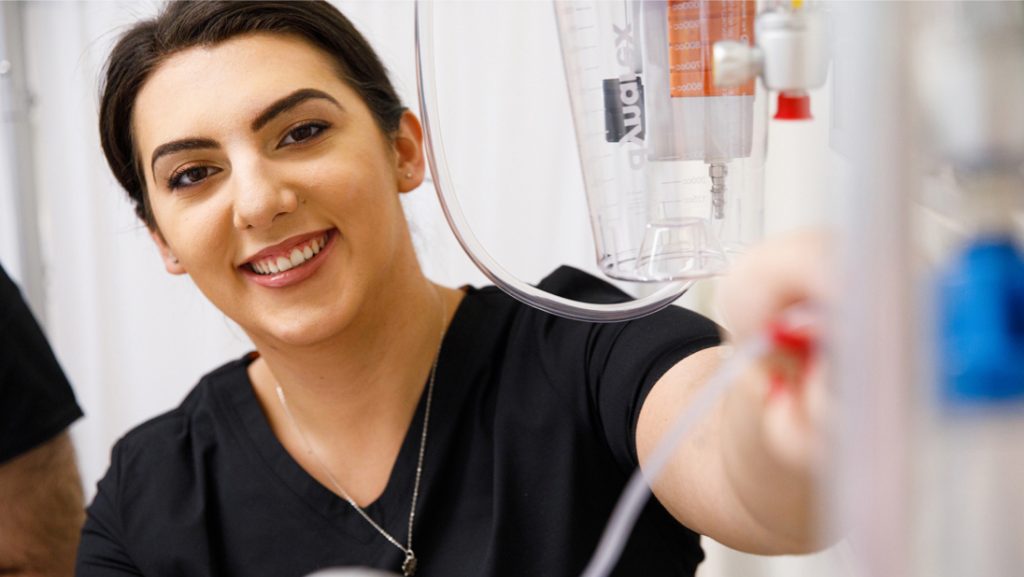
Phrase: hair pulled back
pixel 185 24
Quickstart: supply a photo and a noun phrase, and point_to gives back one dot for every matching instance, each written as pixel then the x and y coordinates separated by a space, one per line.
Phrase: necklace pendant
pixel 409 565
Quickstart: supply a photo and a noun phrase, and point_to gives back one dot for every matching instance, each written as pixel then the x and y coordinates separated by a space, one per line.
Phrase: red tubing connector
pixel 799 342
pixel 791 358
pixel 794 106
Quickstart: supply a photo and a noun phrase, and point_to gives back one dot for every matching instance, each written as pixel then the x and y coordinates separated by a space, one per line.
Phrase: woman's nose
pixel 259 199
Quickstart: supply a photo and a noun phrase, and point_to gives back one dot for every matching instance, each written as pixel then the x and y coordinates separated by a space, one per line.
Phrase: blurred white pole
pixel 874 320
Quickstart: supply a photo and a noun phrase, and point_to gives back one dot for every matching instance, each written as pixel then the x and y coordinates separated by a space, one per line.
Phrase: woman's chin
pixel 295 333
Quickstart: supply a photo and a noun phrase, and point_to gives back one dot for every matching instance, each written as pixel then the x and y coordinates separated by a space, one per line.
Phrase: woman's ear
pixel 410 164
pixel 171 262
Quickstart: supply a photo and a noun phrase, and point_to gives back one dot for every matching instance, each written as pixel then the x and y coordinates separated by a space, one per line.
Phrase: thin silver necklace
pixel 410 562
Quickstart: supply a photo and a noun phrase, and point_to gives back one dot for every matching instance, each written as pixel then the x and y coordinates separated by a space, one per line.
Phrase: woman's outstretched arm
pixel 746 476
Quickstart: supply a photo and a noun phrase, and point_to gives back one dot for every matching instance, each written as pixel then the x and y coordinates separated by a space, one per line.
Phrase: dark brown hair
pixel 182 24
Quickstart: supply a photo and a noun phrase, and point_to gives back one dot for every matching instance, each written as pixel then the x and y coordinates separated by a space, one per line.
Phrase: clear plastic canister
pixel 673 166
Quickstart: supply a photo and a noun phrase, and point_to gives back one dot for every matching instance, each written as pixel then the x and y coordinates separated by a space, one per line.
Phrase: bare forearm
pixel 778 490
pixel 41 511
pixel 726 480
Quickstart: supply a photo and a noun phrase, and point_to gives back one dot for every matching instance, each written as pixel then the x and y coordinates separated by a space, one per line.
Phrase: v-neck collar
pixel 391 508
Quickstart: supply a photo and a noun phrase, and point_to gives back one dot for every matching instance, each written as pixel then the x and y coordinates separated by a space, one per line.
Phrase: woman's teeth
pixel 298 255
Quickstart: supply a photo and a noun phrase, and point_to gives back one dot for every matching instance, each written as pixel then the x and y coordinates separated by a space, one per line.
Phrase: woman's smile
pixel 290 262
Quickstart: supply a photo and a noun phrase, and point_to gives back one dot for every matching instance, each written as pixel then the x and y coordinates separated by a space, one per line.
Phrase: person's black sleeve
pixel 618 363
pixel 101 552
pixel 36 400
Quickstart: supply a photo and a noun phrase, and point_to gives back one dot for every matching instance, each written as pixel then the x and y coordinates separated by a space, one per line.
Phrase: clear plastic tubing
pixel 637 491
pixel 443 182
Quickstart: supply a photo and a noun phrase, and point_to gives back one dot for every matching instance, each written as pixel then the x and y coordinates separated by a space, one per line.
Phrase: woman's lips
pixel 282 268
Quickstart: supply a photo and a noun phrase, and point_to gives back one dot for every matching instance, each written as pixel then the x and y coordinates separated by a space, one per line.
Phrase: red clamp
pixel 792 350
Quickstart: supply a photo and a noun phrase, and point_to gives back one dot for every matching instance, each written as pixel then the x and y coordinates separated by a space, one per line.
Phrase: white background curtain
pixel 134 340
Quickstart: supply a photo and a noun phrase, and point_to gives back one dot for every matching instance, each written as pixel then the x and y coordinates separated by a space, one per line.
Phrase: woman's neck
pixel 361 386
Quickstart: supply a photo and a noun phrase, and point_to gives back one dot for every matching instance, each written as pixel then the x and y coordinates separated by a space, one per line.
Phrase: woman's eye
pixel 190 176
pixel 303 132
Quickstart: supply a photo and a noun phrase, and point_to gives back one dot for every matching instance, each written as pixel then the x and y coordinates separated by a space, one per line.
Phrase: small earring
pixel 408 175
pixel 175 261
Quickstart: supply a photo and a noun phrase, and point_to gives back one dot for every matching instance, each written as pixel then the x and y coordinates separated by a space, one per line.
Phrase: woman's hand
pixel 779 413
pixel 783 288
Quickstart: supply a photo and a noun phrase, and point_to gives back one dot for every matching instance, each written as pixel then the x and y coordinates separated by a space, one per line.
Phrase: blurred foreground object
pixel 970 64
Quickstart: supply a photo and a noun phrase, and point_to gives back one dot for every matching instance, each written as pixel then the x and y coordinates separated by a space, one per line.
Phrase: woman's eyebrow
pixel 178 146
pixel 288 102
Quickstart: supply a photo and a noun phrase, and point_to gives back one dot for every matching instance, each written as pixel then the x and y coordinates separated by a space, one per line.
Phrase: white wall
pixel 134 340
pixel 9 238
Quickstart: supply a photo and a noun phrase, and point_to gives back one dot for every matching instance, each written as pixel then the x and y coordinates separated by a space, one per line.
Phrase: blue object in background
pixel 981 324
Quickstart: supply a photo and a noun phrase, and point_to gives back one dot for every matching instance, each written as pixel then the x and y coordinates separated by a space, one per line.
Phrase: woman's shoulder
pixel 569 282
pixel 565 281
pixel 162 471
pixel 558 338
pixel 194 421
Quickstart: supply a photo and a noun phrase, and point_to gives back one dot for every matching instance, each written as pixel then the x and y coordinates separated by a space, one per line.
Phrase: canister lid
pixel 795 105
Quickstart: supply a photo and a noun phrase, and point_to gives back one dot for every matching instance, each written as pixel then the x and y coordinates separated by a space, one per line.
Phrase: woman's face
pixel 273 187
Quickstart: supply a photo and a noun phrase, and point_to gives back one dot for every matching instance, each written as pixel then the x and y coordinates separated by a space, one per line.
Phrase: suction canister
pixel 673 165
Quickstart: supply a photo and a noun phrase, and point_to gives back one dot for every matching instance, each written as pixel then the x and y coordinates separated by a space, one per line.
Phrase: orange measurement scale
pixel 693 28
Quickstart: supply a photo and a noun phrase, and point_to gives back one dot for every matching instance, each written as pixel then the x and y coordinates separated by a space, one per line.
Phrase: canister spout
pixel 718 171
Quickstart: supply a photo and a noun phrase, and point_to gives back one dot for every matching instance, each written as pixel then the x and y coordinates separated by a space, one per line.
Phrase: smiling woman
pixel 383 420
pixel 251 164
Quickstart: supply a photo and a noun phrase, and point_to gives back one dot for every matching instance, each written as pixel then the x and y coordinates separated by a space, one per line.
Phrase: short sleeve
pixel 36 400
pixel 101 552
pixel 619 363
